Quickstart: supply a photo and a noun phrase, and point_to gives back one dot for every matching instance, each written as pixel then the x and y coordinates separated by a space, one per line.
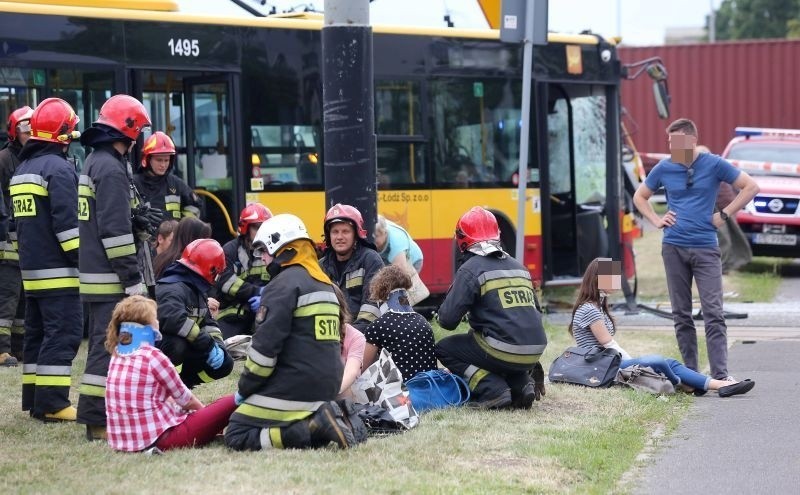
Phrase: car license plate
pixel 775 239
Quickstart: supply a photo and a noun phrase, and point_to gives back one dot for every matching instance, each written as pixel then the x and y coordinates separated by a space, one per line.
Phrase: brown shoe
pixel 8 360
pixel 96 433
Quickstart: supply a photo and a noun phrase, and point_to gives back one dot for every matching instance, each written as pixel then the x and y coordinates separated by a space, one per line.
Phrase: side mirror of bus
pixel 658 73
pixel 661 96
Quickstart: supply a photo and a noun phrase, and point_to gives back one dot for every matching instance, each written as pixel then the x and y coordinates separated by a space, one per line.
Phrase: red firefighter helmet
pixel 253 213
pixel 205 257
pixel 21 117
pixel 125 114
pixel 157 144
pixel 476 225
pixel 345 213
pixel 54 121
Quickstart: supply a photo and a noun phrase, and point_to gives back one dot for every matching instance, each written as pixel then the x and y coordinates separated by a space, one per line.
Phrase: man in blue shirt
pixel 690 249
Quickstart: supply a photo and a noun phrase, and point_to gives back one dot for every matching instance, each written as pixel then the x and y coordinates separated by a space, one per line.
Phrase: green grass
pixel 576 440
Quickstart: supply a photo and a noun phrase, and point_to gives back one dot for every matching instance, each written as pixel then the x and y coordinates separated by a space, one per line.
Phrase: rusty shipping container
pixel 719 86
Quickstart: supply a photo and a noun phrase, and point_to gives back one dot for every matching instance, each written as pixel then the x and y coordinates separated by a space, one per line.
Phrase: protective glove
pixel 146 219
pixel 134 290
pixel 254 302
pixel 537 373
pixel 215 357
pixel 238 399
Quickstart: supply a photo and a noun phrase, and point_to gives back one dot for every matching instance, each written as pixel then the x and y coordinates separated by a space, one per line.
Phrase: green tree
pixel 748 19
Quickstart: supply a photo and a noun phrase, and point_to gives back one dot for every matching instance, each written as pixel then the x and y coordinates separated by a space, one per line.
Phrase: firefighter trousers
pixel 191 363
pixel 92 399
pixel 52 338
pixel 12 310
pixel 487 376
pixel 236 320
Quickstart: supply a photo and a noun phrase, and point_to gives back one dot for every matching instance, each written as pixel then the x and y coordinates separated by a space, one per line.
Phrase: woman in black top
pixel 407 335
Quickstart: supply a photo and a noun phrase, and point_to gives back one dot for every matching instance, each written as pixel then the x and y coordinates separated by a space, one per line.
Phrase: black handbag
pixel 590 366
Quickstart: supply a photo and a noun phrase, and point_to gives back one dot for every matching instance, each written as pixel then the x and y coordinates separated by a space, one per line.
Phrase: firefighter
pixel 158 185
pixel 499 357
pixel 44 193
pixel 111 224
pixel 293 368
pixel 239 287
pixel 351 261
pixel 192 339
pixel 12 300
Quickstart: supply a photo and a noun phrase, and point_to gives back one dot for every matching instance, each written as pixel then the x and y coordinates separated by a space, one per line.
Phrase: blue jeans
pixel 675 371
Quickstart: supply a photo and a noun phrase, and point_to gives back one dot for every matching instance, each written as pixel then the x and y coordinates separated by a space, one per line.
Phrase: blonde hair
pixel 386 280
pixel 134 309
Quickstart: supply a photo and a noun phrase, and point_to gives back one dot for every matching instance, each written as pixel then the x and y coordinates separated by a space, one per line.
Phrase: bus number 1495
pixel 184 47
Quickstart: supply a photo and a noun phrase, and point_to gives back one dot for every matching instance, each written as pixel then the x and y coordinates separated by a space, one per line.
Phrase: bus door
pixel 574 182
pixel 196 112
pixel 213 154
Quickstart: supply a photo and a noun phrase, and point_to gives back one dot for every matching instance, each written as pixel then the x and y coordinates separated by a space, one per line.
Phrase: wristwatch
pixel 723 215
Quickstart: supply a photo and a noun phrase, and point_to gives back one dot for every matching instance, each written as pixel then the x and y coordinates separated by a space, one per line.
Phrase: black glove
pixel 146 219
pixel 537 373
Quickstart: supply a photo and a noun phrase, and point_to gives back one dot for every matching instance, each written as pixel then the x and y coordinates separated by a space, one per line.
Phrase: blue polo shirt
pixel 693 206
pixel 398 241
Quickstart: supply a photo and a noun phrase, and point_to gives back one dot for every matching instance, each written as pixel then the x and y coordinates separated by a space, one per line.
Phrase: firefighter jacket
pixel 167 193
pixel 293 365
pixel 182 301
pixel 44 192
pixel 353 278
pixel 108 249
pixel 243 277
pixel 497 293
pixel 9 161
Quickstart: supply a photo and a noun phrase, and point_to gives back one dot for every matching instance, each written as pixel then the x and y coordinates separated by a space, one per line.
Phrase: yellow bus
pixel 242 99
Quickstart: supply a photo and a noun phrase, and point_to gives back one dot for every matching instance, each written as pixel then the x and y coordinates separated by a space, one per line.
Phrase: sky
pixel 639 22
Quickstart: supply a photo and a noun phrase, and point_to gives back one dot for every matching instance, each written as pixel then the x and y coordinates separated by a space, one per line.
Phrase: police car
pixel 771 221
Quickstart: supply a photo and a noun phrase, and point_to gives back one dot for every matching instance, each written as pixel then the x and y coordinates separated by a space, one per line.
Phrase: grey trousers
pixel 703 264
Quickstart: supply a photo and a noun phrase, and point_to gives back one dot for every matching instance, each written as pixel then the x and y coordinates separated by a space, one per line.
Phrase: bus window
pixel 85 91
pixel 476 132
pixel 590 149
pixel 398 123
pixel 286 154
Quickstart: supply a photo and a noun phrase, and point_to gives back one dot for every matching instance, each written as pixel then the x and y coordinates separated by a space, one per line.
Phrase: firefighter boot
pixel 328 425
pixel 8 360
pixel 351 419
pixel 486 401
pixel 69 413
pixel 523 399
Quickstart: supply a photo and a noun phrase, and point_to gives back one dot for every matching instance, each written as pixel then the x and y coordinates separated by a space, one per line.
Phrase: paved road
pixel 745 444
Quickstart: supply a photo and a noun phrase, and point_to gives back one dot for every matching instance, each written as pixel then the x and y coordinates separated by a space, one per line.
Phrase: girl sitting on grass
pixel 147 404
pixel 407 335
pixel 593 325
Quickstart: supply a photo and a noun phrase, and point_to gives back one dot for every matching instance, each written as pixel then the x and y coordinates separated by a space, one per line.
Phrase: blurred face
pixel 609 275
pixel 681 148
pixel 159 164
pixel 343 238
pixel 266 257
